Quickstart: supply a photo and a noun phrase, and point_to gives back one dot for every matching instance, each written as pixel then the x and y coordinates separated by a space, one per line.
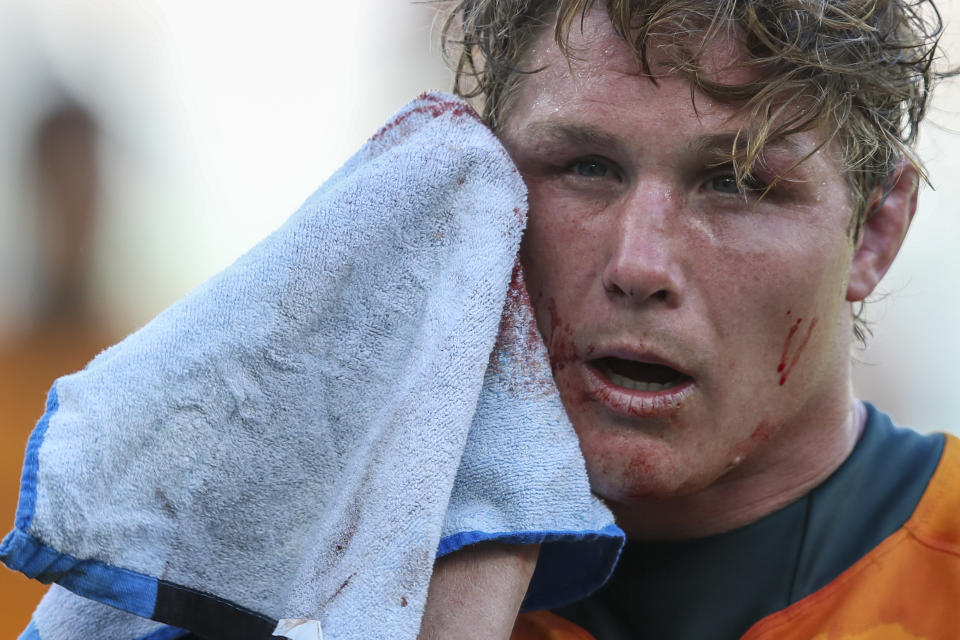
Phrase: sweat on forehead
pixel 592 102
pixel 577 82
pixel 866 65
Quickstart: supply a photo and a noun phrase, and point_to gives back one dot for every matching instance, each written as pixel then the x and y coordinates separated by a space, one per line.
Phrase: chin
pixel 652 490
pixel 641 479
pixel 647 469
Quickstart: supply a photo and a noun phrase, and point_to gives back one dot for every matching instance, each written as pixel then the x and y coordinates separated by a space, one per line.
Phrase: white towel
pixel 301 436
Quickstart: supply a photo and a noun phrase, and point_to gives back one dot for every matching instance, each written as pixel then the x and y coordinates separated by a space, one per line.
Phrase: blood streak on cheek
pixel 560 343
pixel 791 353
pixel 762 433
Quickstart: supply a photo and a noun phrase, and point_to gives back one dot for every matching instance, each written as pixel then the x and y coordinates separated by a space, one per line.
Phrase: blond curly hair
pixel 864 69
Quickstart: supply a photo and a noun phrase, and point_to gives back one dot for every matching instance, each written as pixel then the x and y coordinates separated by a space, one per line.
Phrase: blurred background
pixel 144 145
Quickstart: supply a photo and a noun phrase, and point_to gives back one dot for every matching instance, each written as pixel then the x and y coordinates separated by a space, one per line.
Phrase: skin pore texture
pixel 476 592
pixel 699 334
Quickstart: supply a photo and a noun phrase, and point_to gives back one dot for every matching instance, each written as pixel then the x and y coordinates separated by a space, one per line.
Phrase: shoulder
pixel 907 587
pixel 936 520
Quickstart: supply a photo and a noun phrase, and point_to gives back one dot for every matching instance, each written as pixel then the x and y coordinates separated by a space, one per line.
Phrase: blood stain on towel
pixel 432 104
pixel 519 355
pixel 164 501
pixel 349 529
pixel 403 601
pixel 518 311
pixel 341 588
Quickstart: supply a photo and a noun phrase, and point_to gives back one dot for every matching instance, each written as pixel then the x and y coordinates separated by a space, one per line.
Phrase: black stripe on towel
pixel 208 616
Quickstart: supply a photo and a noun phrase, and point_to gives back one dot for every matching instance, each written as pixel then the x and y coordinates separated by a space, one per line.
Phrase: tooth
pixel 635 385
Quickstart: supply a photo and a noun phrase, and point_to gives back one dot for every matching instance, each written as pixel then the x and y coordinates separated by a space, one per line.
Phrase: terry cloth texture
pixel 62 615
pixel 303 434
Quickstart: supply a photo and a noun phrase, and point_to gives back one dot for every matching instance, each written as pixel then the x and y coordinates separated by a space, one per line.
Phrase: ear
pixel 883 231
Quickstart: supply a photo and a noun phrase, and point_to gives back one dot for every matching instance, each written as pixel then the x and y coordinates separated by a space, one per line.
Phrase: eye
pixel 727 183
pixel 724 184
pixel 591 168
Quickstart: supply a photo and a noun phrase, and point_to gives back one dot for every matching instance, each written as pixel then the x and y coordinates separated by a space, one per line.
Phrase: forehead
pixel 594 46
pixel 602 83
pixel 597 52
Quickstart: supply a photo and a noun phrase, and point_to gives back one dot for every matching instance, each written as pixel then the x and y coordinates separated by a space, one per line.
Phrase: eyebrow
pixel 576 134
pixel 587 135
pixel 722 144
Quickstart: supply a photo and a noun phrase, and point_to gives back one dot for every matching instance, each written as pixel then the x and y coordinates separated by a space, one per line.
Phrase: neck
pixel 797 461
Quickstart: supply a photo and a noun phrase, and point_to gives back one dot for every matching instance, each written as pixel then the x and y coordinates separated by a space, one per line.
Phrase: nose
pixel 644 265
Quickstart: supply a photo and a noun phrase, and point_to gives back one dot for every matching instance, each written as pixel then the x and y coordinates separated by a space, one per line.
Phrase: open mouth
pixel 639 376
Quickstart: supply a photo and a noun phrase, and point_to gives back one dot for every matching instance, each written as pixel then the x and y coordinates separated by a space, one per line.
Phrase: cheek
pixel 561 228
pixel 798 336
pixel 774 296
pixel 814 329
pixel 557 333
pixel 559 259
pixel 791 348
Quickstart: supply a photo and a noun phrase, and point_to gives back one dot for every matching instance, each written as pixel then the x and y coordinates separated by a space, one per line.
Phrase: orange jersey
pixel 906 588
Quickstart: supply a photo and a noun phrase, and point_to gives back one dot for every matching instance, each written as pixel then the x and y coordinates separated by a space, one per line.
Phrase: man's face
pixel 695 331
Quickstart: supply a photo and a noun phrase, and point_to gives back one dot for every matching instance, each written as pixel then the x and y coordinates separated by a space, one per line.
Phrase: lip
pixel 628 402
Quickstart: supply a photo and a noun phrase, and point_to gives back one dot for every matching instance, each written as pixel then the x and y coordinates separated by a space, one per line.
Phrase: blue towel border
pixel 552 582
pixel 136 593
pixel 561 570
pixel 165 633
pixel 27 502
pixel 30 633
pixel 120 588
pixel 133 592
pixel 22 552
